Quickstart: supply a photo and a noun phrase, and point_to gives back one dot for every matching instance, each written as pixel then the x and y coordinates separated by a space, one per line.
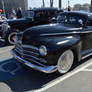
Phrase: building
pixel 84 7
pixel 8 5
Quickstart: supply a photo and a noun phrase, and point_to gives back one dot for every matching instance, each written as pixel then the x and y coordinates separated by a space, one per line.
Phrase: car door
pixel 86 38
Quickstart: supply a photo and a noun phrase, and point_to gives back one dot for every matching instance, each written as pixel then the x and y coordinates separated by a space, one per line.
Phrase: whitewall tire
pixel 11 38
pixel 65 62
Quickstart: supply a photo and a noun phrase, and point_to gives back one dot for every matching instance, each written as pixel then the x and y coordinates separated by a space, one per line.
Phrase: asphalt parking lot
pixel 15 77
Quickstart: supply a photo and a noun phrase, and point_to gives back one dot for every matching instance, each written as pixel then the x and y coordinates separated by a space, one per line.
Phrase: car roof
pixel 87 14
pixel 46 9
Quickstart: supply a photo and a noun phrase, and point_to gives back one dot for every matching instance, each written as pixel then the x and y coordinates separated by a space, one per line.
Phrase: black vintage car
pixel 37 16
pixel 57 46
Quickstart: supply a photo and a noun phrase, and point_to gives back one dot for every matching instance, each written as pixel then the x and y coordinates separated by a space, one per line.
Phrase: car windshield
pixel 29 14
pixel 71 19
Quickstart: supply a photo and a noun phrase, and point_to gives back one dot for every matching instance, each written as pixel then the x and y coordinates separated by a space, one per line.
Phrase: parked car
pixel 33 17
pixel 57 46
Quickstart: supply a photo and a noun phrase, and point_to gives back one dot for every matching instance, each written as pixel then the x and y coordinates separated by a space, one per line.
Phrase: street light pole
pixel 3 5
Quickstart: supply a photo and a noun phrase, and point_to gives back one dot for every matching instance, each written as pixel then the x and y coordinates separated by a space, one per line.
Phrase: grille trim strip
pixel 30 46
pixel 25 51
pixel 34 61
pixel 46 68
pixel 29 52
pixel 31 56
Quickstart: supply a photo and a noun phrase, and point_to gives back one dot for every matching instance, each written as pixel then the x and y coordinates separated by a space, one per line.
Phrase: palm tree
pixel 43 3
pixel 3 5
pixel 51 3
pixel 91 6
pixel 60 3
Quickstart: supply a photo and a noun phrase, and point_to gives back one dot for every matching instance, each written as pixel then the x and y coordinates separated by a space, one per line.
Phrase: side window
pixel 29 14
pixel 62 19
pixel 51 13
pixel 39 14
pixel 72 19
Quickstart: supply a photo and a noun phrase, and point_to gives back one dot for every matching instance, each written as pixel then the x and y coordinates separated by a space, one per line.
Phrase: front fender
pixel 58 45
pixel 61 43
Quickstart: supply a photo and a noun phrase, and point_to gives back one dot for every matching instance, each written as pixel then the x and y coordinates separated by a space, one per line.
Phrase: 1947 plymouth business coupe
pixel 33 17
pixel 57 46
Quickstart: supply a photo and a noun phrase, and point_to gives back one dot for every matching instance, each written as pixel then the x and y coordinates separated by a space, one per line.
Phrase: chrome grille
pixel 29 53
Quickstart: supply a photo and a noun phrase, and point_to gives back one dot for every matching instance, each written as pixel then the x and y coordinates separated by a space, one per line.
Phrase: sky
pixel 38 3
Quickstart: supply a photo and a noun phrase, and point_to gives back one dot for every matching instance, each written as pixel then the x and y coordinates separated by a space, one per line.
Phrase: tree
pixel 91 7
pixel 43 2
pixel 60 3
pixel 51 3
pixel 3 5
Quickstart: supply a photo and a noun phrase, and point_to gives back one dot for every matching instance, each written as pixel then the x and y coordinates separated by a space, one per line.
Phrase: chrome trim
pixel 18 51
pixel 51 34
pixel 24 56
pixel 86 56
pixel 25 51
pixel 19 43
pixel 45 69
pixel 31 56
pixel 86 32
pixel 34 61
pixel 86 53
pixel 29 46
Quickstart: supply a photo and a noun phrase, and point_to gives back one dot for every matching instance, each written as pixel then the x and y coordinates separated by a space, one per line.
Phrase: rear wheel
pixel 65 62
pixel 10 37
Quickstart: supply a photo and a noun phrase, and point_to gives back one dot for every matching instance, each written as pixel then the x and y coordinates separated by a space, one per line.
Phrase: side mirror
pixel 53 20
pixel 80 23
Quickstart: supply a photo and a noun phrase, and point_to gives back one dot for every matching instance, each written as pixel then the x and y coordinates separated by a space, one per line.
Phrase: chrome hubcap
pixel 65 61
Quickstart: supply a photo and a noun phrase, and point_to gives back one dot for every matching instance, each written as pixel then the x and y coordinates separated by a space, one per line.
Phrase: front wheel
pixel 10 37
pixel 65 62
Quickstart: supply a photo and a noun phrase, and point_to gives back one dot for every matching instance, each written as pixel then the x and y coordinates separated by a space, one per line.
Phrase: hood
pixel 17 20
pixel 50 29
pixel 11 21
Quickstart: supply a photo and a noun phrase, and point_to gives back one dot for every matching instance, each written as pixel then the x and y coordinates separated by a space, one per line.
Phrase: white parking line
pixel 2 60
pixel 87 70
pixel 68 75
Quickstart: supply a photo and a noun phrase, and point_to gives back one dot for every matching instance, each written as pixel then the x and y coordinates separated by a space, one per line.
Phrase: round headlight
pixel 43 50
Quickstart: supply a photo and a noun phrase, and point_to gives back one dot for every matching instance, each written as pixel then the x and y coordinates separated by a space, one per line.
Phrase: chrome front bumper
pixel 45 69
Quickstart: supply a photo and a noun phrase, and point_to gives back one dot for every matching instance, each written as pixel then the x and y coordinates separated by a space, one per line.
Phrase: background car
pixel 57 46
pixel 33 17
